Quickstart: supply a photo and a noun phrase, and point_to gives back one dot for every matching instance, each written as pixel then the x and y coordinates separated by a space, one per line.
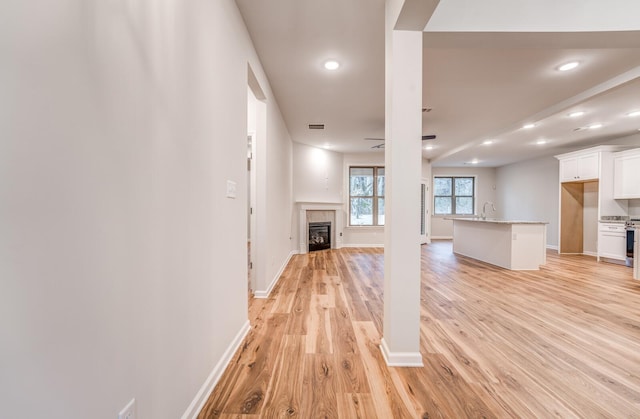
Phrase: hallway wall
pixel 122 262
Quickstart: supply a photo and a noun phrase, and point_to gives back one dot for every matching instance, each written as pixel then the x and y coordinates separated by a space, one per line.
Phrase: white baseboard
pixel 552 247
pixel 441 237
pixel 363 245
pixel 274 280
pixel 594 254
pixel 203 394
pixel 612 260
pixel 400 359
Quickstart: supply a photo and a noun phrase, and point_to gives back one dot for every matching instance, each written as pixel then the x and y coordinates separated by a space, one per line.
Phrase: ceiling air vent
pixel 316 126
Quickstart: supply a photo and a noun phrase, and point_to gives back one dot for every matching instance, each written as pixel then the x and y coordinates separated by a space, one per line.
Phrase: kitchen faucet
pixel 484 214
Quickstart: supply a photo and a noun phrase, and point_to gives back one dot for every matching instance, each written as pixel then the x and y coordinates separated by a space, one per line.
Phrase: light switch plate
pixel 231 189
pixel 129 411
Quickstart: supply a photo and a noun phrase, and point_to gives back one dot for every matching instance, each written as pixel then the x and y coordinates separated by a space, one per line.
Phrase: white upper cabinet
pixel 568 169
pixel 626 174
pixel 590 164
pixel 580 168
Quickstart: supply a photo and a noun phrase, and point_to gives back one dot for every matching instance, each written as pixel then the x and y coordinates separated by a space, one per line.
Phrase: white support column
pixel 403 170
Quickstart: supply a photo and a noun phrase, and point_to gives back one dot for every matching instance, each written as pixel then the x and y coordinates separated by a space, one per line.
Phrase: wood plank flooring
pixel 560 342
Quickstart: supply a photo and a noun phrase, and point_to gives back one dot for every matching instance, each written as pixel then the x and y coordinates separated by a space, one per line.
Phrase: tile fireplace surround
pixel 315 212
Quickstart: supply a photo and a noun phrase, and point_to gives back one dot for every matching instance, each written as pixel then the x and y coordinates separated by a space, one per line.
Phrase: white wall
pixel 528 190
pixel 280 223
pixel 123 265
pixel 634 208
pixel 317 174
pixel 317 178
pixel 485 191
pixel 590 218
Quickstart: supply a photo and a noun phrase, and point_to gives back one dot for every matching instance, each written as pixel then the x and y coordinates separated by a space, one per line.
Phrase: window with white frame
pixel 366 196
pixel 453 195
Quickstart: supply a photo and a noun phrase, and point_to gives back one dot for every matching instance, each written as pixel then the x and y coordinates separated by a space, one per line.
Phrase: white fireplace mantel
pixel 303 232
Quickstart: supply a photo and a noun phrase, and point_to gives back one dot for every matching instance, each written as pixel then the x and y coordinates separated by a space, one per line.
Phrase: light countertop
pixel 495 220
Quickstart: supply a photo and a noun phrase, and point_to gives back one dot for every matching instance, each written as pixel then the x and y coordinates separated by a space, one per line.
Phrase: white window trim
pixel 348 193
pixel 475 196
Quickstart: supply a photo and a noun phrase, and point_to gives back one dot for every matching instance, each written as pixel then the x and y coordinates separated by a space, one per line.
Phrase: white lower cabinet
pixel 612 241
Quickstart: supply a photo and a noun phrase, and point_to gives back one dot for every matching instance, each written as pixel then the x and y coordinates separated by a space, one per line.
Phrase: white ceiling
pixel 479 85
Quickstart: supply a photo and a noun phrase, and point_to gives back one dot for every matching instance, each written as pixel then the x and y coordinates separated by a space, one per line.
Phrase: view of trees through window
pixel 366 196
pixel 453 195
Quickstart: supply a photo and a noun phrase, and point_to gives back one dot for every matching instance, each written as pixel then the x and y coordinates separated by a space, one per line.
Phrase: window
pixel 366 196
pixel 453 195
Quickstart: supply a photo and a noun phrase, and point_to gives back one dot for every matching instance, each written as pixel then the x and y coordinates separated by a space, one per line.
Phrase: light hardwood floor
pixel 560 342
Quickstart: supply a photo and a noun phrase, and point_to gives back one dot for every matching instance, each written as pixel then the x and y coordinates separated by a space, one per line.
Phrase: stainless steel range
pixel 631 226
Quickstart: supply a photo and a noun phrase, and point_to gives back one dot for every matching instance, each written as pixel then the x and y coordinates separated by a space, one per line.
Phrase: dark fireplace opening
pixel 319 236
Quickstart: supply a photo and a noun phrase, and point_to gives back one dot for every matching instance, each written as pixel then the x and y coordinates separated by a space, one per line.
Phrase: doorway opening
pixel 256 199
pixel 250 205
pixel 425 199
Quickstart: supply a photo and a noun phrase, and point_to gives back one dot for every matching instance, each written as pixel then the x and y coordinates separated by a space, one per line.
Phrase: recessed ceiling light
pixel 541 142
pixel 634 113
pixel 474 161
pixel 331 65
pixel 428 147
pixel 487 142
pixel 576 114
pixel 568 66
pixel 595 126
pixel 528 126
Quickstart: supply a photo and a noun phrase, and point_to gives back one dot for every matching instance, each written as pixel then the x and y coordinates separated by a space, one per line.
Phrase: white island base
pixel 515 245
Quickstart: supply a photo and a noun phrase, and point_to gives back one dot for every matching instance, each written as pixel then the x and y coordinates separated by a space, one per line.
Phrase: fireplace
pixel 319 236
pixel 320 212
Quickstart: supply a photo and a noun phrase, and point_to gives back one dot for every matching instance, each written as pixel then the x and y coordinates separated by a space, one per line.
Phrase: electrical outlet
pixel 129 411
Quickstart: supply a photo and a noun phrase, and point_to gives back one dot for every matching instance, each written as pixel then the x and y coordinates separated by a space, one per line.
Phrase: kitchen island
pixel 515 245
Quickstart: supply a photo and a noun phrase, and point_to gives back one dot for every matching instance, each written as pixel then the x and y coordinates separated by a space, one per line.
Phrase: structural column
pixel 403 170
